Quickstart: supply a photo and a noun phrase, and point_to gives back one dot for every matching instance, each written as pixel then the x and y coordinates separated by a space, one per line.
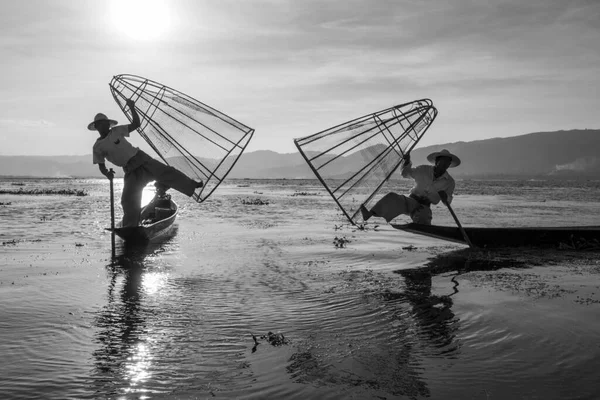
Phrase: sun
pixel 141 19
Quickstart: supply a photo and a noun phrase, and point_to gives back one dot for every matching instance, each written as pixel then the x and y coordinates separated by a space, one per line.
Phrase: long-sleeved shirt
pixel 426 185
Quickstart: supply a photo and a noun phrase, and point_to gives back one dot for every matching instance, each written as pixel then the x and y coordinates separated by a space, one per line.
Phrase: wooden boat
pixel 568 237
pixel 156 218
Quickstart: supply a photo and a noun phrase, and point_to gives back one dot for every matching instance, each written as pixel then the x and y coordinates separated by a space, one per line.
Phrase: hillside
pixel 560 154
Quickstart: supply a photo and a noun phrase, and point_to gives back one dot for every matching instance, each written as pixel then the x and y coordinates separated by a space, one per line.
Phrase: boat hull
pixel 510 237
pixel 163 212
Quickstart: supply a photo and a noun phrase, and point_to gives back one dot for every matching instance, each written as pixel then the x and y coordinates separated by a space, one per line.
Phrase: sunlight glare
pixel 141 19
pixel 152 282
pixel 139 364
pixel 148 193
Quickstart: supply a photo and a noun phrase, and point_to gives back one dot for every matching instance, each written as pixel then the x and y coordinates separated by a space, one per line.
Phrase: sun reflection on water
pixel 152 282
pixel 138 370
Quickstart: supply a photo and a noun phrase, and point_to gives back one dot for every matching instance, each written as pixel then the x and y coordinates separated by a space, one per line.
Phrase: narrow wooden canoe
pixel 156 218
pixel 574 236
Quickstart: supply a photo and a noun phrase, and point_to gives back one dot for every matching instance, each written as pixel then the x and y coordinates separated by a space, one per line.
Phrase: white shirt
pixel 114 147
pixel 426 185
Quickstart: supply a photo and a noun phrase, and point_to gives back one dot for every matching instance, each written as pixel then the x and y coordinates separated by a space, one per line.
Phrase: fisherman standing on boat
pixel 139 167
pixel 432 185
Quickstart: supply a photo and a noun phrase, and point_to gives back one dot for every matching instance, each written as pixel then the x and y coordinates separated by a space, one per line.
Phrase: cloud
pixel 287 67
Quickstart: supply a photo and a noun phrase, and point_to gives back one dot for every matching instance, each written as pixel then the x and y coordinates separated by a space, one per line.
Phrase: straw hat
pixel 444 153
pixel 100 117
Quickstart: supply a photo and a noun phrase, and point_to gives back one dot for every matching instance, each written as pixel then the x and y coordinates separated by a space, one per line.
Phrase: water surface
pixel 384 314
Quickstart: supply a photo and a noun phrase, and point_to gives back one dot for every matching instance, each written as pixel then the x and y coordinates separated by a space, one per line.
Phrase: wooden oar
pixel 464 234
pixel 112 216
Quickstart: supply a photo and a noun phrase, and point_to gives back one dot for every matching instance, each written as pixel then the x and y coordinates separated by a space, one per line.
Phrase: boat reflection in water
pixel 124 325
pixel 433 313
pixel 432 308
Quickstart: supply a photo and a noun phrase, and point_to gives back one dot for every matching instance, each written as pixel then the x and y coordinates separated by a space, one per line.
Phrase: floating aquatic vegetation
pixel 66 192
pixel 13 242
pixel 255 202
pixel 305 194
pixel 586 300
pixel 274 339
pixel 364 227
pixel 340 242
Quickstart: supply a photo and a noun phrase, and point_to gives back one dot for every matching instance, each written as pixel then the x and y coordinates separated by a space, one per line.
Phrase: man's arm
pixel 136 118
pixel 443 196
pixel 110 174
pixel 446 195
pixel 406 169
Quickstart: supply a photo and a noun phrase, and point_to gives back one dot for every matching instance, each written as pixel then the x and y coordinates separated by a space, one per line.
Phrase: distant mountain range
pixel 561 154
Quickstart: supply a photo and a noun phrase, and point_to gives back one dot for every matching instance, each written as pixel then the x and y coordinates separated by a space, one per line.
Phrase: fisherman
pixel 432 184
pixel 139 167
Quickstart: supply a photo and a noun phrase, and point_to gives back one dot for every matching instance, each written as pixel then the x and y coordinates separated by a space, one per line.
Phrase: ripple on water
pixel 177 320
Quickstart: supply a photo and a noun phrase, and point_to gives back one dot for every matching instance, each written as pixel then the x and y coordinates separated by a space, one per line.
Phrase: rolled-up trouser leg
pixel 171 177
pixel 392 204
pixel 131 198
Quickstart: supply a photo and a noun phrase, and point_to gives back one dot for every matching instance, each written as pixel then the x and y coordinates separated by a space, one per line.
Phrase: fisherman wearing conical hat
pixel 139 167
pixel 432 185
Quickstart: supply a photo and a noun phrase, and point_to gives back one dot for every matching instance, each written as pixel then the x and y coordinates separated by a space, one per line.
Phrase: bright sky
pixel 290 68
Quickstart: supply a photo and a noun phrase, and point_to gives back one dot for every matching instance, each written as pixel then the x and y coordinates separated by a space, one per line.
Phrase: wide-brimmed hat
pixel 444 153
pixel 100 117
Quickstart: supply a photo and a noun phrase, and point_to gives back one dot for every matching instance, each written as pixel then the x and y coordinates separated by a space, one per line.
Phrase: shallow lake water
pixel 374 313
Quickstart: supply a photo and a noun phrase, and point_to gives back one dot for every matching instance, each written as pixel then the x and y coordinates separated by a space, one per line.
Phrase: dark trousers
pixel 392 204
pixel 139 171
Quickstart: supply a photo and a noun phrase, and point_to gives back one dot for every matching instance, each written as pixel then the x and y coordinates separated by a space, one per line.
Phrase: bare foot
pixel 366 214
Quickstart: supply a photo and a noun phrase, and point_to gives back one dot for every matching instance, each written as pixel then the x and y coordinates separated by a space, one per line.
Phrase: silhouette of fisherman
pixel 139 167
